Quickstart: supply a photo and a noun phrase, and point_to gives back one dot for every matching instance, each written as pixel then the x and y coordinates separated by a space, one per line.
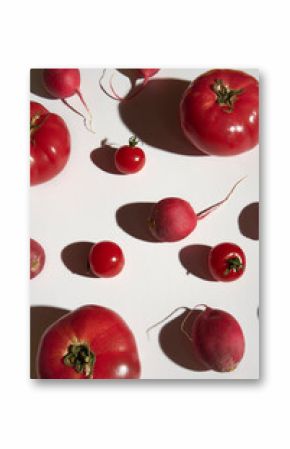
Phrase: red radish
pixel 63 83
pixel 173 219
pixel 37 258
pixel 146 74
pixel 217 339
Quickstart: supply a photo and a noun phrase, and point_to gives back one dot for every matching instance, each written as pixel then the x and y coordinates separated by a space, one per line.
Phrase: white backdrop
pixel 81 203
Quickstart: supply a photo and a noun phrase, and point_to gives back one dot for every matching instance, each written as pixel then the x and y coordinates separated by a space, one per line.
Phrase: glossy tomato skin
pixel 227 262
pixel 129 159
pixel 215 128
pixel 106 259
pixel 106 334
pixel 37 258
pixel 49 144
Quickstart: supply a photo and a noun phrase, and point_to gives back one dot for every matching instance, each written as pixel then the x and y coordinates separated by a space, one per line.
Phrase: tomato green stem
pixel 80 358
pixel 225 96
pixel 133 141
pixel 233 264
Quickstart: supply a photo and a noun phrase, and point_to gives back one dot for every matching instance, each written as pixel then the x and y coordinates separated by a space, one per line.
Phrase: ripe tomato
pixel 90 342
pixel 106 259
pixel 130 158
pixel 227 262
pixel 220 112
pixel 49 144
pixel 37 258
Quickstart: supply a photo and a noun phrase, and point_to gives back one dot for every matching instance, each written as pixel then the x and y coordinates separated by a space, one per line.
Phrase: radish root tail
pixel 164 319
pixel 204 213
pixel 88 125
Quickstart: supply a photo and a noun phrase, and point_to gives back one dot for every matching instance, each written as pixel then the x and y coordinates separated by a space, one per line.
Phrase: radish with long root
pixel 216 336
pixel 64 83
pixel 146 74
pixel 173 219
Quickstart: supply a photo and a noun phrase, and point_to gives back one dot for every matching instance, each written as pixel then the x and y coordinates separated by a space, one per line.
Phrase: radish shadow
pixel 104 158
pixel 153 116
pixel 194 258
pixel 133 219
pixel 249 221
pixel 75 258
pixel 40 318
pixel 176 346
pixel 36 84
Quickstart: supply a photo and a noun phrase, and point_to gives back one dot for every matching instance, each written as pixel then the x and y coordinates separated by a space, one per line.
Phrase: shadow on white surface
pixel 104 158
pixel 40 318
pixel 176 346
pixel 153 116
pixel 75 258
pixel 36 84
pixel 194 258
pixel 133 219
pixel 249 221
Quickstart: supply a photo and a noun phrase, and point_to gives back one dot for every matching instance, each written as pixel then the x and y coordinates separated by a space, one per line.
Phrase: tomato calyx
pixel 34 264
pixel 233 264
pixel 80 358
pixel 133 141
pixel 226 97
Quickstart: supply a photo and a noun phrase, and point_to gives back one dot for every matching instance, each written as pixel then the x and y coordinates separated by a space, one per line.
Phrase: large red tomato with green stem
pixel 49 144
pixel 92 342
pixel 220 112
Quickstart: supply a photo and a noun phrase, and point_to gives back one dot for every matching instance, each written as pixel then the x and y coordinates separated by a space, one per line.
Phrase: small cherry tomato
pixel 130 158
pixel 106 259
pixel 37 258
pixel 227 262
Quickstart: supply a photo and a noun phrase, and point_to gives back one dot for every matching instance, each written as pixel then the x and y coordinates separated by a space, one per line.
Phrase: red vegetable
pixel 49 144
pixel 173 219
pixel 106 259
pixel 146 74
pixel 130 158
pixel 217 339
pixel 37 258
pixel 63 83
pixel 227 262
pixel 220 112
pixel 92 342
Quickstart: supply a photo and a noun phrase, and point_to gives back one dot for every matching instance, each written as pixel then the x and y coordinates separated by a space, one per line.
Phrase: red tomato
pixel 37 258
pixel 129 158
pixel 49 144
pixel 106 259
pixel 90 342
pixel 227 262
pixel 220 112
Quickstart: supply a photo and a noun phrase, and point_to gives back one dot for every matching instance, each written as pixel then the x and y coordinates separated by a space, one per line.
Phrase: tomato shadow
pixel 40 318
pixel 75 258
pixel 153 116
pixel 249 221
pixel 194 258
pixel 133 219
pixel 36 84
pixel 176 346
pixel 104 158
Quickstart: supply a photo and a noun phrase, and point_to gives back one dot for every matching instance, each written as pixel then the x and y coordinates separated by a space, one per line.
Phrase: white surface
pixel 80 205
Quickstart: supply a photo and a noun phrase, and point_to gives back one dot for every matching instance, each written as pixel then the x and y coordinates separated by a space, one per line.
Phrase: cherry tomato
pixel 227 262
pixel 92 342
pixel 220 112
pixel 130 158
pixel 49 144
pixel 37 258
pixel 106 259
